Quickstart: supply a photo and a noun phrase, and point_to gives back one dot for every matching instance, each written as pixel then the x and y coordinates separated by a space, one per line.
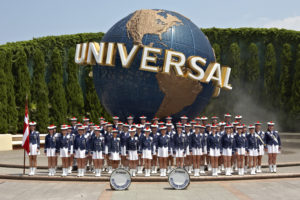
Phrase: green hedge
pixel 265 69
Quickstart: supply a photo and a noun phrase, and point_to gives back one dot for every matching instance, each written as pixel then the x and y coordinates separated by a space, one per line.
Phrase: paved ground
pixel 258 189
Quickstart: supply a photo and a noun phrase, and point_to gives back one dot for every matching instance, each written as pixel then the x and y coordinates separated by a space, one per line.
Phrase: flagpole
pixel 24 158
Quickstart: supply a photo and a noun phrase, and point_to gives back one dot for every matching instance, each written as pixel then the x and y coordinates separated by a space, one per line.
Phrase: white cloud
pixel 292 23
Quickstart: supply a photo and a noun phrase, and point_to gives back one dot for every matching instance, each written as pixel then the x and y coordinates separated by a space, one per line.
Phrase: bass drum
pixel 179 179
pixel 120 179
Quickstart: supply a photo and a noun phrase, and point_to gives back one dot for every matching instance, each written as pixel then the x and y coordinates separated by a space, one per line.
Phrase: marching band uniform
pixel 273 144
pixel 213 146
pixel 132 146
pixel 240 147
pixel 155 136
pixel 64 146
pixel 197 148
pixel 189 134
pixel 227 145
pixel 81 149
pixel 97 148
pixel 51 148
pixel 180 145
pixel 34 146
pixel 163 144
pixel 147 148
pixel 261 144
pixel 252 147
pixel 114 149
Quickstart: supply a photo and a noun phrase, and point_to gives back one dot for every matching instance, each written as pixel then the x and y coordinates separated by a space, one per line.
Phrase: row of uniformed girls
pixel 190 144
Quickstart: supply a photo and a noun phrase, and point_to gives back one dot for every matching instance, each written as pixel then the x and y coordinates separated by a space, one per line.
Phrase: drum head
pixel 120 179
pixel 179 179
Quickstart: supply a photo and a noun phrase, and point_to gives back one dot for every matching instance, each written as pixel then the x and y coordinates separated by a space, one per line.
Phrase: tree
pixel 270 87
pixel 39 92
pixel 252 68
pixel 12 113
pixel 22 84
pixel 295 99
pixel 3 95
pixel 57 98
pixel 73 90
pixel 234 61
pixel 93 107
pixel 284 81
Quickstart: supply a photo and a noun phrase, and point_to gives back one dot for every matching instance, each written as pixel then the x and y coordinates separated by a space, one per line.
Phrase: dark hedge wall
pixel 265 77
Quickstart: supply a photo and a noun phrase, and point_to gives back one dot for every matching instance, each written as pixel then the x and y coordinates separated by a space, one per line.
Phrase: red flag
pixel 25 142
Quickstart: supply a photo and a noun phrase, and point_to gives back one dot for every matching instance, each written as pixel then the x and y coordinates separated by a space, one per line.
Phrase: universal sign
pixel 105 53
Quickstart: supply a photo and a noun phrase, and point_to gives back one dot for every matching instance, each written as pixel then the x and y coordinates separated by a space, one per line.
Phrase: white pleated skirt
pixel 163 152
pixel 179 153
pixel 205 150
pixel 188 151
pixel 80 153
pixel 261 150
pixel 197 152
pixel 273 149
pixel 147 154
pixel 114 156
pixel 51 152
pixel 214 152
pixel 33 150
pixel 123 150
pixel 63 153
pixel 241 151
pixel 98 155
pixel 227 152
pixel 132 155
pixel 253 152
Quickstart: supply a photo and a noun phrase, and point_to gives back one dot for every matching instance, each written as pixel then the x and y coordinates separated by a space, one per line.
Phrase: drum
pixel 120 179
pixel 179 179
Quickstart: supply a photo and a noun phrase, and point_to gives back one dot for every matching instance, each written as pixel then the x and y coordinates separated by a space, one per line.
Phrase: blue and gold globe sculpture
pixel 130 91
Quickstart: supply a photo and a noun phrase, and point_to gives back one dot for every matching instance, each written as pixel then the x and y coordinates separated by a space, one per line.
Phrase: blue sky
pixel 25 19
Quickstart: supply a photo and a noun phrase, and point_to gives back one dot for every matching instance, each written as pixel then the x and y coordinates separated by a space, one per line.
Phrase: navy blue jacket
pixel 65 142
pixel 180 142
pixel 214 142
pixel 227 141
pixel 132 144
pixel 164 141
pixel 34 138
pixel 140 137
pixel 189 136
pixel 81 142
pixel 197 141
pixel 147 143
pixel 124 136
pixel 240 141
pixel 98 144
pixel 114 145
pixel 273 138
pixel 51 142
pixel 252 141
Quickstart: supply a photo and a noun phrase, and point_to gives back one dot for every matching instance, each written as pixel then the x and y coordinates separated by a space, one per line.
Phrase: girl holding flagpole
pixel 34 147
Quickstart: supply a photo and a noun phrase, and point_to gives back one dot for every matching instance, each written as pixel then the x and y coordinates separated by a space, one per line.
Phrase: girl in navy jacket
pixel 213 146
pixel 197 148
pixel 97 149
pixel 252 148
pixel 81 150
pixel 228 144
pixel 240 146
pixel 34 147
pixel 64 149
pixel 51 149
pixel 147 148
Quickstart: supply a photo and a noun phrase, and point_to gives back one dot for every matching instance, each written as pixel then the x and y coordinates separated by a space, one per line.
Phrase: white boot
pixel 189 169
pixel 50 172
pixel 235 167
pixel 34 170
pixel 70 170
pixel 253 171
pixel 169 169
pixel 53 171
pixel 239 171
pixel 63 172
pixel 219 170
pixel 202 170
pixel 161 172
pixel 242 171
pixel 209 167
pixel 134 172
pixel 196 172
pixel 245 169
pixel 149 174
pixel 274 168
pixel 227 172
pixel 109 169
pixel 139 170
pixel 270 168
pixel 222 167
pixel 78 172
pixel 82 171
pixel 30 171
pixel 258 169
pixel 153 170
pixel 215 171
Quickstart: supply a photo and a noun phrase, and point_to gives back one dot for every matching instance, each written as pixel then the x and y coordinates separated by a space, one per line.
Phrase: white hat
pixel 250 126
pixel 183 117
pixel 115 117
pixel 139 126
pixel 73 119
pixel 154 125
pixel 129 117
pixel 32 123
pixel 81 128
pixel 51 127
pixel 169 124
pixel 64 127
pixel 169 117
pixel 162 127
pixel 143 117
pixel 147 129
pixel 257 123
pixel 86 119
pixel 132 130
pixel 203 118
pixel 238 117
pixel 271 123
pixel 227 115
pixel 238 127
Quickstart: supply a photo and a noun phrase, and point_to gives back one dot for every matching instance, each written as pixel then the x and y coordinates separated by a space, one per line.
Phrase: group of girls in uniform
pixel 218 147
